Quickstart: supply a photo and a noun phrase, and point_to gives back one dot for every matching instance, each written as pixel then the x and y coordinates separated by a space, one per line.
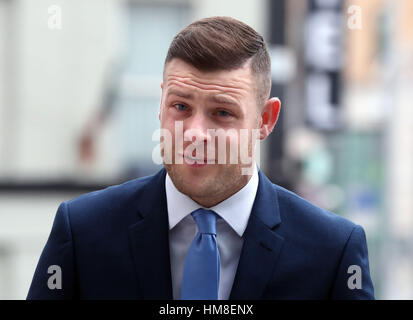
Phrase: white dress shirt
pixel 234 211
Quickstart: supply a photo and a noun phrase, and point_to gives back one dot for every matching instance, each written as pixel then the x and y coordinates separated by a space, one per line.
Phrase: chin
pixel 192 183
pixel 195 180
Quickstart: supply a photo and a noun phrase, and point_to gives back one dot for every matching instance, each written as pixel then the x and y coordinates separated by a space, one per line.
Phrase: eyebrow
pixel 216 98
pixel 180 94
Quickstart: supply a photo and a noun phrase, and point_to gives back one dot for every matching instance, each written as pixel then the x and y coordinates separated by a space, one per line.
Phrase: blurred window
pixel 149 30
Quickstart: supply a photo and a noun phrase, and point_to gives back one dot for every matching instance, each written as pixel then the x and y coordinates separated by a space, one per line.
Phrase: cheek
pixel 167 121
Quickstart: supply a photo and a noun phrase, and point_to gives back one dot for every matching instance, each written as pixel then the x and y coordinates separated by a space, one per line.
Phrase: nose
pixel 197 127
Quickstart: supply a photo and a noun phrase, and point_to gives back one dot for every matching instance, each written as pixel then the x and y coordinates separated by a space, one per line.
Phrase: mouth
pixel 193 161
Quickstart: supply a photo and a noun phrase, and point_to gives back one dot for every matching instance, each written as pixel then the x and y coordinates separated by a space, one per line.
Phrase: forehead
pixel 179 73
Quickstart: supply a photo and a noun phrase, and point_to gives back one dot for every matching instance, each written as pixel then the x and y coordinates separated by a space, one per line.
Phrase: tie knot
pixel 205 220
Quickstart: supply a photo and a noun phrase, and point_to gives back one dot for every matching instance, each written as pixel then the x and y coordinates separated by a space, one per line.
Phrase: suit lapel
pixel 261 244
pixel 149 241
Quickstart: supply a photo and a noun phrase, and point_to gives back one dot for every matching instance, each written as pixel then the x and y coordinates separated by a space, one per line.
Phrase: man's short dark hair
pixel 224 43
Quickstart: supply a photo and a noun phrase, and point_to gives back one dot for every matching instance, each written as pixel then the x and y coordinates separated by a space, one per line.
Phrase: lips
pixel 198 160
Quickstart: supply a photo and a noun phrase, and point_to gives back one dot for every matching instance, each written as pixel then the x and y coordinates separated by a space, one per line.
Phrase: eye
pixel 180 107
pixel 223 113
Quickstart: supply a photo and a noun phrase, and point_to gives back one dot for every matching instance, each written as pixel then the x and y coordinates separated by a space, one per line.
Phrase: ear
pixel 269 117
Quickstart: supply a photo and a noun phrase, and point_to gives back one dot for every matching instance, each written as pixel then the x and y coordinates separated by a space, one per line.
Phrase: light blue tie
pixel 201 270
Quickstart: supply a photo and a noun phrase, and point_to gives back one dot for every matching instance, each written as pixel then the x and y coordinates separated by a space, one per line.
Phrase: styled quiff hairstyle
pixel 224 43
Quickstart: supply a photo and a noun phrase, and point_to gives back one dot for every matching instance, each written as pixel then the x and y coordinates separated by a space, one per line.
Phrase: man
pixel 203 227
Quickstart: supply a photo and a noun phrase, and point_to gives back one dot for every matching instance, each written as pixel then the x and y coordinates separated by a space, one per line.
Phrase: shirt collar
pixel 235 210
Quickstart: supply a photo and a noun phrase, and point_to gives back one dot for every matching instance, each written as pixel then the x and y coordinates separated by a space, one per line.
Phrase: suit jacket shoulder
pixel 307 221
pixel 319 249
pixel 113 206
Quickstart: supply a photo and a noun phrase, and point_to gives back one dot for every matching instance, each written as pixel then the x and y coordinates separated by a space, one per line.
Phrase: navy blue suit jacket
pixel 113 244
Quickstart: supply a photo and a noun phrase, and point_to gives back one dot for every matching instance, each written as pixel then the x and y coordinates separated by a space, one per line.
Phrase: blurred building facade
pixel 79 81
pixel 360 165
pixel 61 64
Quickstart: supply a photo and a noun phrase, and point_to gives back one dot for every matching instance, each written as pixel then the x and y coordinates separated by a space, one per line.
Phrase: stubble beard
pixel 227 180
